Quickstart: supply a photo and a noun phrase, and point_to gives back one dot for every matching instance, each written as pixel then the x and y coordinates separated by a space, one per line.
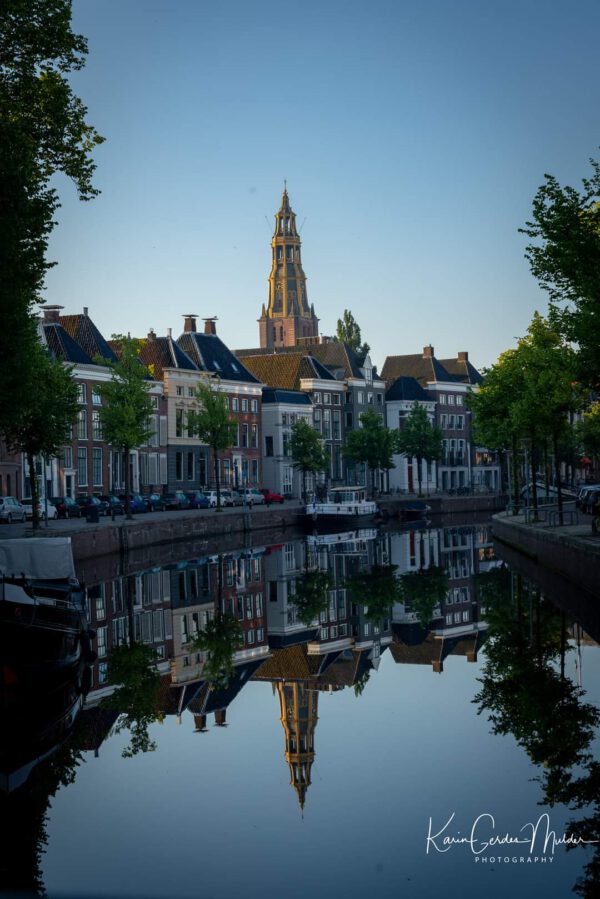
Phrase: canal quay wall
pixel 570 551
pixel 144 533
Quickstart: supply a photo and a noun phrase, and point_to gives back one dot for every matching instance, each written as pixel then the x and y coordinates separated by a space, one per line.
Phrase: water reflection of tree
pixel 377 590
pixel 219 639
pixel 423 590
pixel 525 692
pixel 311 595
pixel 132 669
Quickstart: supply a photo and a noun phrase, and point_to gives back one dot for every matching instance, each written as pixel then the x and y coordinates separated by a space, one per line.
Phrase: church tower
pixel 298 704
pixel 288 319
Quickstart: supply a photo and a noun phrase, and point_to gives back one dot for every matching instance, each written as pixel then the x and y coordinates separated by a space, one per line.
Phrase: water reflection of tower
pixel 299 706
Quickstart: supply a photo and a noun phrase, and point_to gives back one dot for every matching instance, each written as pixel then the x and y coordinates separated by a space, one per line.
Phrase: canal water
pixel 396 714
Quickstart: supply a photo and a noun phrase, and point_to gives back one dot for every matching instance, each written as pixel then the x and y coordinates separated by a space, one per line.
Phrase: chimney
pixel 438 666
pixel 85 311
pixel 200 723
pixel 472 655
pixel 189 323
pixel 52 314
pixel 220 715
pixel 169 332
pixel 428 352
pixel 463 357
pixel 151 334
pixel 210 326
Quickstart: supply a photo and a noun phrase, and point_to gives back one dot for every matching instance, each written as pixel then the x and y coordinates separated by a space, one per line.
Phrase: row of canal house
pixel 319 380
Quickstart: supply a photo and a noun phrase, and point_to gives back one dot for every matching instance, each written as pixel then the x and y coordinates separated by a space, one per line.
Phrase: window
pixel 68 457
pixel 260 635
pixel 361 397
pixel 379 399
pixel 96 426
pixel 449 618
pixel 227 471
pixel 81 393
pixel 459 400
pixel 82 475
pixel 191 391
pixel 254 405
pixel 97 466
pixel 370 398
pixel 337 424
pixel 451 399
pixel 96 398
pixel 335 399
pixel 250 637
pixel 317 420
pixel 255 471
pixel 179 422
pixel 317 396
pixel 101 642
pixel 326 422
pixel 268 446
pixel 244 405
pixel 443 398
pixel 244 435
pixel 259 605
pixel 443 421
pixel 190 466
pixel 235 404
pixel 179 466
pixel 236 436
pixel 327 399
pixel 460 422
pixel 82 424
pixel 179 391
pixel 254 437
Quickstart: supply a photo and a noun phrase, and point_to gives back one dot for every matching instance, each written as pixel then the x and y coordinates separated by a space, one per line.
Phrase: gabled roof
pixel 423 368
pixel 62 346
pixel 210 355
pixel 290 663
pixel 295 397
pixel 82 329
pixel 158 353
pixel 463 371
pixel 408 389
pixel 336 355
pixel 286 370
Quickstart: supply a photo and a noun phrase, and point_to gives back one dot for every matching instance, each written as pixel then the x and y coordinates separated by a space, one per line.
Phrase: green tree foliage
pixel 372 444
pixel 127 406
pixel 565 259
pixel 133 670
pixel 212 424
pixel 44 424
pixel 348 332
pixel 377 590
pixel 588 431
pixel 42 132
pixel 307 451
pixel 423 590
pixel 220 639
pixel 311 595
pixel 419 439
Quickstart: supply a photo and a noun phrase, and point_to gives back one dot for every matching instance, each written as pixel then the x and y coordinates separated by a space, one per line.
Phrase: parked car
pixel 225 499
pixel 253 495
pixel 589 498
pixel 11 509
pixel 66 507
pixel 136 501
pixel 198 500
pixel 85 502
pixel 154 502
pixel 28 506
pixel 114 506
pixel 176 499
pixel 271 497
pixel 234 498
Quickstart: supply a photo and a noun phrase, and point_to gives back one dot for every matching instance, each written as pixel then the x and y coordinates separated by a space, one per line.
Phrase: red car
pixel 271 497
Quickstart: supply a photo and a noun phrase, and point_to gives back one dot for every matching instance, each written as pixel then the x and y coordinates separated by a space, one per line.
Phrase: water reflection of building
pixel 456 626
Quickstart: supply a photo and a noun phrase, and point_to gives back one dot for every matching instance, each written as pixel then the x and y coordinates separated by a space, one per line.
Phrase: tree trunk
pixel 559 496
pixel 129 581
pixel 304 485
pixel 420 475
pixel 35 518
pixel 217 480
pixel 546 470
pixel 534 492
pixel 128 514
pixel 515 476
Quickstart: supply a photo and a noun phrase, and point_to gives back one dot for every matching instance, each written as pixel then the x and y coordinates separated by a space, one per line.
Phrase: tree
pixel 377 590
pixel 419 439
pixel 311 595
pixel 588 431
pixel 42 425
pixel 133 670
pixel 565 259
pixel 373 444
pixel 42 132
pixel 307 451
pixel 212 424
pixel 423 590
pixel 219 639
pixel 127 407
pixel 348 332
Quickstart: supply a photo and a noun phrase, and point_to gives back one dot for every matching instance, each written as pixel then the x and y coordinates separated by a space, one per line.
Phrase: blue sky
pixel 413 136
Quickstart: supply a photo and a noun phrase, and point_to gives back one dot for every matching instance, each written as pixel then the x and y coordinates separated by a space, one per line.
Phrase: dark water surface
pixel 318 762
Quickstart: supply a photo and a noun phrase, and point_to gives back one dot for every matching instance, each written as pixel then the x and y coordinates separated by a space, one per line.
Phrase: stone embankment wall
pixel 573 556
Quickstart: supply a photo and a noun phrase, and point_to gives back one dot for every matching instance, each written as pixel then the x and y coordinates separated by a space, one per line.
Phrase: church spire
pixel 289 318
